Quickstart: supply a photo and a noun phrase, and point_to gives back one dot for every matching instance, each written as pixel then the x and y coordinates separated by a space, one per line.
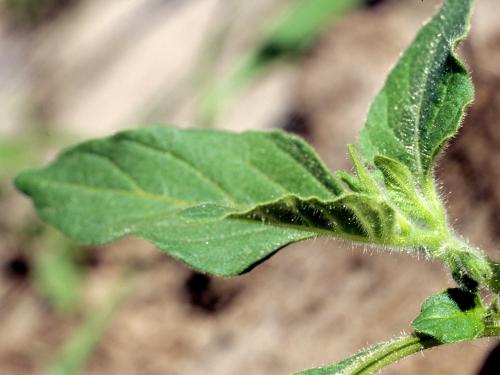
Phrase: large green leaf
pixel 218 201
pixel 424 97
pixel 451 316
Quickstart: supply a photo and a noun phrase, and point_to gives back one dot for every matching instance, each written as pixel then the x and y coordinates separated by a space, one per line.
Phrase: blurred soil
pixel 103 66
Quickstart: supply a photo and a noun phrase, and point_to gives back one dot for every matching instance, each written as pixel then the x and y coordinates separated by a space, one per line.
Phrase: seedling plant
pixel 222 202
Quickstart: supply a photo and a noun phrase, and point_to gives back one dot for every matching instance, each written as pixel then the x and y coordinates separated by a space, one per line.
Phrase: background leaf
pixel 288 38
pixel 78 348
pixel 57 273
pixel 300 25
pixel 424 97
pixel 218 201
pixel 451 316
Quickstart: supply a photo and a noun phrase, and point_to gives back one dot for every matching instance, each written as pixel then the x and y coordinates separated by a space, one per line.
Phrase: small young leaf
pixel 365 178
pixel 218 201
pixel 424 98
pixel 351 181
pixel 451 316
pixel 400 188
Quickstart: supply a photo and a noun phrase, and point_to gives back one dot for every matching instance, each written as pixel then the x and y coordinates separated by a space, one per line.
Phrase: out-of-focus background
pixel 75 69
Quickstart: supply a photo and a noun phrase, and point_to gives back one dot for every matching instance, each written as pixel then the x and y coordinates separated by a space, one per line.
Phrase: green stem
pixel 383 355
pixel 390 352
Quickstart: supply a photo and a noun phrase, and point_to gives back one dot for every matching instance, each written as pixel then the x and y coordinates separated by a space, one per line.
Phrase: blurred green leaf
pixel 16 154
pixel 23 150
pixel 291 34
pixel 32 12
pixel 58 275
pixel 299 26
pixel 82 343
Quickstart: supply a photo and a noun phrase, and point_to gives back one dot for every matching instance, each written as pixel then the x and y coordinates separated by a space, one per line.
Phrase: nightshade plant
pixel 223 202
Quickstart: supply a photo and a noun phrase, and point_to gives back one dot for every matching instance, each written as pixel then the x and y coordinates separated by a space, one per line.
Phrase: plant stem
pixel 492 328
pixel 383 355
pixel 391 352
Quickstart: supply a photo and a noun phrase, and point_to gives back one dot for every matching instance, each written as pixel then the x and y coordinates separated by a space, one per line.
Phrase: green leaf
pixel 352 216
pixel 367 182
pixel 351 181
pixel 300 25
pixel 400 188
pixel 57 274
pixel 423 100
pixel 14 154
pixel 218 201
pixel 79 346
pixel 290 35
pixel 451 316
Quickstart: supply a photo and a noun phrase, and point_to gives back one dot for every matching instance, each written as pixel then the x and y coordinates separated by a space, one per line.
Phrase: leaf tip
pixel 23 182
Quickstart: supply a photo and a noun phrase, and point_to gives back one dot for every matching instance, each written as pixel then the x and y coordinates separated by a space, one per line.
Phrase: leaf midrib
pixel 424 88
pixel 135 193
pixel 186 204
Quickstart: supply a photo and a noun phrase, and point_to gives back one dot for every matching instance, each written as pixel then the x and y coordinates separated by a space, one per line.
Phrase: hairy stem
pixel 383 355
pixel 390 352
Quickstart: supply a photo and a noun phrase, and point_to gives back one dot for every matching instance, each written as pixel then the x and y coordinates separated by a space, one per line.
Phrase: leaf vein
pixel 135 193
pixel 193 168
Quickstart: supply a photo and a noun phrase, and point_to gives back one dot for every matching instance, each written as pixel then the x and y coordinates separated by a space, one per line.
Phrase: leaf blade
pixel 197 194
pixel 451 316
pixel 423 100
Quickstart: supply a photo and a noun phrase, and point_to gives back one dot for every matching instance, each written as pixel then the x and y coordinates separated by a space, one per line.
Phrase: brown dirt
pixel 315 302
